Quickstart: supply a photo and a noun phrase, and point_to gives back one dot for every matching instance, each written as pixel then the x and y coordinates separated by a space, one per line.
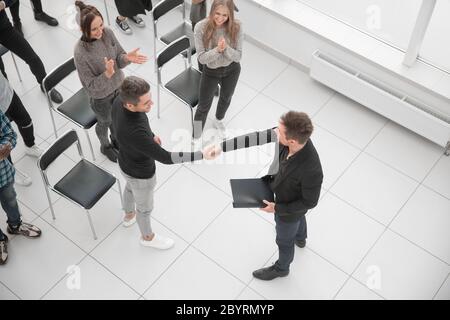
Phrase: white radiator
pixel 386 101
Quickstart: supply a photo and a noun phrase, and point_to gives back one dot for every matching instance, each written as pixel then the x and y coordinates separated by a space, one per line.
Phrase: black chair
pixel 185 86
pixel 77 108
pixel 184 28
pixel 4 51
pixel 84 185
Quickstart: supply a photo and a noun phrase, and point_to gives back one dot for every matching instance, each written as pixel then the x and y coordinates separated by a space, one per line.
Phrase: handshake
pixel 212 151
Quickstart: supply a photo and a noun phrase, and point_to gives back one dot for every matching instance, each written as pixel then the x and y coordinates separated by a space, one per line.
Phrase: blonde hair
pixel 232 27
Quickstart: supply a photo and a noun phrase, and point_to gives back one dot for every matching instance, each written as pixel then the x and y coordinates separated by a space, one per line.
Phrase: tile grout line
pixel 187 247
pixel 335 182
pixel 439 289
pixel 9 289
pixel 387 227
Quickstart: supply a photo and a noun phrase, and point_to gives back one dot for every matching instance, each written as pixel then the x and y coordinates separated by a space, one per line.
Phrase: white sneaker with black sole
pixel 138 21
pixel 123 26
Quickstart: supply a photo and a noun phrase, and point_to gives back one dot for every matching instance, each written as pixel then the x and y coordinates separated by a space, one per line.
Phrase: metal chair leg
pixel 90 143
pixel 91 224
pixel 107 14
pixel 159 98
pixel 53 123
pixel 15 65
pixel 120 192
pixel 50 202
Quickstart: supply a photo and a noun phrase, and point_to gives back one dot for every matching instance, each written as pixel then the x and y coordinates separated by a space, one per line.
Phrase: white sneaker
pixel 129 223
pixel 221 130
pixel 138 21
pixel 123 26
pixel 158 242
pixel 33 151
pixel 22 179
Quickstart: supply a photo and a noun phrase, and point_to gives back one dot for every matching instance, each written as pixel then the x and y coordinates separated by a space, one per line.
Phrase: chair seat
pixel 186 86
pixel 3 50
pixel 78 108
pixel 85 184
pixel 184 29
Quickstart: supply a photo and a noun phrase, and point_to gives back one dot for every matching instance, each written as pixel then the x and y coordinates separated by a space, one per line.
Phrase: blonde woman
pixel 218 41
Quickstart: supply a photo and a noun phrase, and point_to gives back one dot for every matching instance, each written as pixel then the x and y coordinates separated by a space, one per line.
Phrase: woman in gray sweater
pixel 218 41
pixel 99 58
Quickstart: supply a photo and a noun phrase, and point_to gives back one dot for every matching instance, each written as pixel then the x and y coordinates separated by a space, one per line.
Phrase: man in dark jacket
pixel 295 177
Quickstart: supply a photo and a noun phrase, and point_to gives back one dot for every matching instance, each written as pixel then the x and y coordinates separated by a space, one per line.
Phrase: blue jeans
pixel 9 204
pixel 287 233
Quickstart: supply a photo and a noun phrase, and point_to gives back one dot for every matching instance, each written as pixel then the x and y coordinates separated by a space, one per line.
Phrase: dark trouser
pixel 131 8
pixel 227 77
pixel 13 41
pixel 102 109
pixel 287 233
pixel 8 200
pixel 14 9
pixel 17 113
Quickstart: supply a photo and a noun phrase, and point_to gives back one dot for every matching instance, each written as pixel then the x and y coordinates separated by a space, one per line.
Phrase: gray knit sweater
pixel 210 56
pixel 90 64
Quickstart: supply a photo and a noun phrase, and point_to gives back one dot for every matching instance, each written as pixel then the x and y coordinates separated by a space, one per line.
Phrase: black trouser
pixel 17 113
pixel 17 44
pixel 14 9
pixel 287 233
pixel 227 77
pixel 131 8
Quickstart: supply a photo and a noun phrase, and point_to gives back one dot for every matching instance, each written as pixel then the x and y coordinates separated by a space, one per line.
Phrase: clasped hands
pixel 222 45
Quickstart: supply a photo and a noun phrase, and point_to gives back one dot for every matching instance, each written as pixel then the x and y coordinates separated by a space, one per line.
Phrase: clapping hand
pixel 5 150
pixel 135 57
pixel 222 44
pixel 109 66
pixel 270 207
pixel 211 152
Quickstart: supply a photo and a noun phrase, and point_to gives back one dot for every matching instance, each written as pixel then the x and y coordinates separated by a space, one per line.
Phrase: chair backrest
pixel 58 74
pixel 172 50
pixel 57 148
pixel 165 6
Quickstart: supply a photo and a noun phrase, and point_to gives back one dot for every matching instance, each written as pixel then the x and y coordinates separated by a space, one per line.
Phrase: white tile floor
pixel 380 230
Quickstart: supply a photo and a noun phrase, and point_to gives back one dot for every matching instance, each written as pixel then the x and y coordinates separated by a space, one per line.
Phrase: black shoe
pixel 300 243
pixel 109 153
pixel 56 96
pixel 269 273
pixel 4 250
pixel 42 16
pixel 18 28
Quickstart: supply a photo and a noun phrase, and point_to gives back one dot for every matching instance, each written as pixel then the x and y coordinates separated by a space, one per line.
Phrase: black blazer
pixel 298 189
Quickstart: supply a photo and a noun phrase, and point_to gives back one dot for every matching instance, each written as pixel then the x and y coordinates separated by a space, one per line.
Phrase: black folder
pixel 250 193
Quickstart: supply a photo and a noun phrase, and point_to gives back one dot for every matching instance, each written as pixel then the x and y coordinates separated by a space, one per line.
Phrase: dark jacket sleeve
pixel 145 144
pixel 250 140
pixel 311 186
pixel 8 3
